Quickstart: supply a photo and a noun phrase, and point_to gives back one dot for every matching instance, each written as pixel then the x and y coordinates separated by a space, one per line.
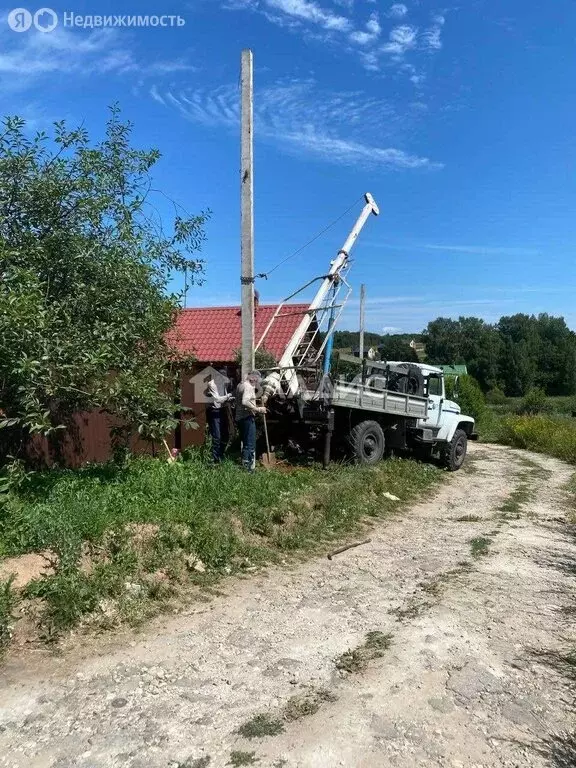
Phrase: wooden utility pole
pixel 247 210
pixel 362 303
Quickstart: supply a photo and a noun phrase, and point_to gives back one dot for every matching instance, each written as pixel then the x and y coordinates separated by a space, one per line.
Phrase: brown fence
pixel 89 437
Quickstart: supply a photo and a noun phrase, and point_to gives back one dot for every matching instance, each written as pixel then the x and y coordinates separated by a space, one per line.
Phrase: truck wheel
pixel 366 441
pixel 455 451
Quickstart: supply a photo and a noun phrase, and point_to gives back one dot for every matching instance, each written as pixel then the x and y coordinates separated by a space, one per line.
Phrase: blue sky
pixel 458 118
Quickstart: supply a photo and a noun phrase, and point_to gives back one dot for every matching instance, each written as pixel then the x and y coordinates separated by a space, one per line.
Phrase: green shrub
pixel 496 397
pixel 469 396
pixel 534 402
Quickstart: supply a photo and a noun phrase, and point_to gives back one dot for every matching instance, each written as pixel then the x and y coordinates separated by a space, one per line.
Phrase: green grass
pixel 480 546
pixel 554 436
pixel 199 762
pixel 149 529
pixel 357 659
pixel 238 758
pixel 512 506
pixel 259 726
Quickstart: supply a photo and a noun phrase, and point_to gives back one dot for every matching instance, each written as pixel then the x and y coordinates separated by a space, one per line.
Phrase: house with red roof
pixel 214 336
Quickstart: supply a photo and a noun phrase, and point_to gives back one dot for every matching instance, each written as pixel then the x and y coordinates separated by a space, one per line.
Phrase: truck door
pixel 435 399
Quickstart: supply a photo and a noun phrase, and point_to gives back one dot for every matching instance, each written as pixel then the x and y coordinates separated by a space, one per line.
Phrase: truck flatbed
pixel 367 398
pixel 364 397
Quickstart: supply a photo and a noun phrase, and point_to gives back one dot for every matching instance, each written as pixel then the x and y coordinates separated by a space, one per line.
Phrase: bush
pixel 469 396
pixel 496 397
pixel 534 402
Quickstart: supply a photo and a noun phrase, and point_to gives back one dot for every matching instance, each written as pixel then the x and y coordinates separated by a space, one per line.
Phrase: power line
pixel 313 240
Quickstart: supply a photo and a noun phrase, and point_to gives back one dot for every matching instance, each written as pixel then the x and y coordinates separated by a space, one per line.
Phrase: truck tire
pixel 455 451
pixel 367 442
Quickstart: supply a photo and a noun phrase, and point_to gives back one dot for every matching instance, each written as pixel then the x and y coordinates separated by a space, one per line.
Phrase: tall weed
pixel 555 437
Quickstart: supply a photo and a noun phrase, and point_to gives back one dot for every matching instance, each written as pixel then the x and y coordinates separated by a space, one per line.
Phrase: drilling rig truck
pixel 386 406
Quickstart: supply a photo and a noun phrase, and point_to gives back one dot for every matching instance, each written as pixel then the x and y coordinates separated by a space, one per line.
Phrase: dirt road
pixel 474 676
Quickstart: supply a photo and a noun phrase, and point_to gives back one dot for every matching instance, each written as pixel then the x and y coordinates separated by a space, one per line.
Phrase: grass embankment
pixel 124 540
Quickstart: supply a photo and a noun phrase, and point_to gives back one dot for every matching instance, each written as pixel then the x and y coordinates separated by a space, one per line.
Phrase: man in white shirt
pixel 216 416
pixel 246 410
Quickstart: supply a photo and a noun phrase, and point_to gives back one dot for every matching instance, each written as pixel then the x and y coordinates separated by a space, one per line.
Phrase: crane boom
pixel 287 367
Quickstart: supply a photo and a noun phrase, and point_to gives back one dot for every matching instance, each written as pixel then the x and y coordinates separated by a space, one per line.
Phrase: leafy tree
pixel 556 371
pixel 519 354
pixel 85 267
pixel 467 341
pixel 397 348
pixel 263 359
pixel 442 338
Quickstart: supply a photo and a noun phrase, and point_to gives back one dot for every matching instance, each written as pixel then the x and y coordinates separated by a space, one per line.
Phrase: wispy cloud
pixel 27 59
pixel 481 250
pixel 302 11
pixel 397 11
pixel 372 32
pixel 303 120
pixel 60 51
pixel 473 250
pixel 402 39
pixel 432 37
pixel 356 36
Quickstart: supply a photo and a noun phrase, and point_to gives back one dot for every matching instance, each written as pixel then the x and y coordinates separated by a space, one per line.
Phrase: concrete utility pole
pixel 247 210
pixel 362 303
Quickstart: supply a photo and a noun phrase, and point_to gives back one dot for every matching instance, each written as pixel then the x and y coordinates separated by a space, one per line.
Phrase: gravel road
pixel 474 677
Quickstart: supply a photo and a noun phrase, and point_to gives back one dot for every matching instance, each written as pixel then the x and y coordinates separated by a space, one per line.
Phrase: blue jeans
pixel 218 426
pixel 247 428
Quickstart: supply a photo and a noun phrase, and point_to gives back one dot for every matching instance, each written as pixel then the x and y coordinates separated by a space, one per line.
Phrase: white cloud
pixel 24 60
pixel 402 39
pixel 433 35
pixel 482 250
pixel 397 11
pixel 60 51
pixel 373 30
pixel 336 127
pixel 156 96
pixel 310 11
pixel 391 329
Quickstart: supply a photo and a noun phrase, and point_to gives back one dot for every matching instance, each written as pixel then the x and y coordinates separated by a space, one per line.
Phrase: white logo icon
pixel 20 20
pixel 45 20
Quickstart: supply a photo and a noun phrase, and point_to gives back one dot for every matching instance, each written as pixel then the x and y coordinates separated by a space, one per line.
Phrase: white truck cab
pixel 444 428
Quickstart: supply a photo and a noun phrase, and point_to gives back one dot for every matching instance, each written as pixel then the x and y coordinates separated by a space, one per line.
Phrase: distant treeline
pixel 515 354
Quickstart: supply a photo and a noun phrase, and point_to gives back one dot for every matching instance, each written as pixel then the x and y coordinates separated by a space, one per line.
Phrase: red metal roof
pixel 213 334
